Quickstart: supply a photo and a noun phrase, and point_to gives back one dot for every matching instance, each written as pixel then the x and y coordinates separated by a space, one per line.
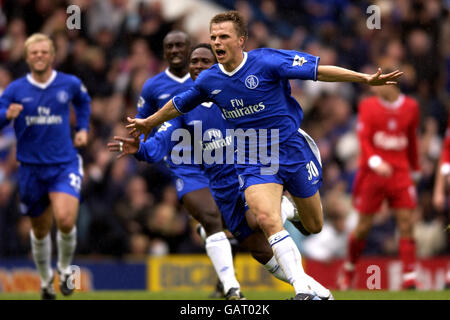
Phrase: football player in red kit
pixel 387 132
pixel 443 171
pixel 440 197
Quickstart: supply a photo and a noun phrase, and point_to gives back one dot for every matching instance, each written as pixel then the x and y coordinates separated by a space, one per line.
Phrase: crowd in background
pixel 130 208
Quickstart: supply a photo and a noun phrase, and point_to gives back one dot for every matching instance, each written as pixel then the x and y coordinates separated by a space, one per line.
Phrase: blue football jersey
pixel 158 90
pixel 257 94
pixel 201 136
pixel 43 128
pixel 198 138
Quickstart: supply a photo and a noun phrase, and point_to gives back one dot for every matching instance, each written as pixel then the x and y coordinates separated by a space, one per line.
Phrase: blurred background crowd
pixel 130 208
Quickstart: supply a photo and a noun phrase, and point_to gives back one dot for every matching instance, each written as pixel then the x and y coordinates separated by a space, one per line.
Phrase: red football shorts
pixel 371 189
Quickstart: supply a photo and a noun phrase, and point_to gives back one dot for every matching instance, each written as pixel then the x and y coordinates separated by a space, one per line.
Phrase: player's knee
pixel 315 226
pixel 265 220
pixel 211 220
pixel 40 233
pixel 66 224
pixel 405 228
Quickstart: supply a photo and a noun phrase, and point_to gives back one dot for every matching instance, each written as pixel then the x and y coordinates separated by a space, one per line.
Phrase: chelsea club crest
pixel 251 82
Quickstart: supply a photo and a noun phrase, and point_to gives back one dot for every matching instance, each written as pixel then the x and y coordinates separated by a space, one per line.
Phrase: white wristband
pixel 374 161
pixel 445 168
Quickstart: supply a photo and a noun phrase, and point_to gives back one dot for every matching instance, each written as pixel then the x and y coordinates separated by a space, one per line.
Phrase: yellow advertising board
pixel 195 272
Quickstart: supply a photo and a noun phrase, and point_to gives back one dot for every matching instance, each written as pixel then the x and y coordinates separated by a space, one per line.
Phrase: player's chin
pixel 221 59
pixel 177 62
pixel 40 68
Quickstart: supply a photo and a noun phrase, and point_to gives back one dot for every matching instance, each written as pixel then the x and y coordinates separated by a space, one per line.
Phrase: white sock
pixel 274 268
pixel 288 210
pixel 289 258
pixel 218 249
pixel 42 255
pixel 319 289
pixel 67 243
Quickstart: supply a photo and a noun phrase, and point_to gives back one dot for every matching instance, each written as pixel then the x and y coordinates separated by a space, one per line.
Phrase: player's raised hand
pixel 80 139
pixel 379 79
pixel 140 126
pixel 124 145
pixel 13 111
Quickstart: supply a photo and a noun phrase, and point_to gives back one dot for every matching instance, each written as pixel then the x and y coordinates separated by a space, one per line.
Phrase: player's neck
pixel 391 96
pixel 180 73
pixel 232 65
pixel 42 77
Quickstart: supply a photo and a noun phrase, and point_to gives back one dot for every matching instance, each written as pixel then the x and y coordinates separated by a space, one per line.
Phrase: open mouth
pixel 220 53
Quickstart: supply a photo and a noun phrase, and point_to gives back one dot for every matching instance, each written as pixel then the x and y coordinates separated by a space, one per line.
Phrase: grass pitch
pixel 250 295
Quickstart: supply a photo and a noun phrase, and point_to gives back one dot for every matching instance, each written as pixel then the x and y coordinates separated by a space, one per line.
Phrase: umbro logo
pixel 299 61
pixel 27 99
pixel 217 91
pixel 164 96
pixel 207 104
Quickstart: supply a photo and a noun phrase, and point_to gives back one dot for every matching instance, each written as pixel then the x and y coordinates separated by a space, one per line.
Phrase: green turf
pixel 201 295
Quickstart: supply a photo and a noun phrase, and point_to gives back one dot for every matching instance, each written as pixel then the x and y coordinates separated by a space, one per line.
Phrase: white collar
pixel 392 105
pixel 175 78
pixel 40 84
pixel 235 70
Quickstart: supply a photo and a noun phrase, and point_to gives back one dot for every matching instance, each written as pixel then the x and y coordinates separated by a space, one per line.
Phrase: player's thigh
pixel 201 205
pixel 42 224
pixel 310 212
pixel 65 210
pixel 33 192
pixel 264 200
pixel 65 193
pixel 369 192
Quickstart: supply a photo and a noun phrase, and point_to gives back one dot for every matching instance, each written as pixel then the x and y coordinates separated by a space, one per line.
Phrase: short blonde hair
pixel 38 37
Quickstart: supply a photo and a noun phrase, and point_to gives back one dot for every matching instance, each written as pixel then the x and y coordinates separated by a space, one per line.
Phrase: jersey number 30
pixel 312 170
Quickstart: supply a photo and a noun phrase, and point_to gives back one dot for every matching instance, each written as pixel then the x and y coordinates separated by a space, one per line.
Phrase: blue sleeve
pixel 145 105
pixel 194 96
pixel 81 102
pixel 5 100
pixel 158 146
pixel 290 64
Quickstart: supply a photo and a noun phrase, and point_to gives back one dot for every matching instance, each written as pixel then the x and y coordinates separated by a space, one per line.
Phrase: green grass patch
pixel 251 295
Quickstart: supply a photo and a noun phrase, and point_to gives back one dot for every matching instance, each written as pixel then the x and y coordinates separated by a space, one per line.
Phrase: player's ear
pixel 242 41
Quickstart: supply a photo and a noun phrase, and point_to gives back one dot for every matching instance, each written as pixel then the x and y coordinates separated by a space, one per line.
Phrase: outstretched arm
pixel 145 126
pixel 338 74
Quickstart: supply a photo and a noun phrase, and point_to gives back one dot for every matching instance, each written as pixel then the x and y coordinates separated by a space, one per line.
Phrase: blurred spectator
pixel 340 220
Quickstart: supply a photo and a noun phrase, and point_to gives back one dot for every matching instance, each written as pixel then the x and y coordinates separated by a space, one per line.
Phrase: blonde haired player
pixel 50 170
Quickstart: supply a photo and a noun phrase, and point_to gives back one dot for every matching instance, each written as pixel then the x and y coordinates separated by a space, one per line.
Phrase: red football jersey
pixel 445 156
pixel 388 131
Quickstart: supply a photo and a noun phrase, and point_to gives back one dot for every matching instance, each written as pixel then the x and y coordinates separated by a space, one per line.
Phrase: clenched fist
pixel 13 111
pixel 80 139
